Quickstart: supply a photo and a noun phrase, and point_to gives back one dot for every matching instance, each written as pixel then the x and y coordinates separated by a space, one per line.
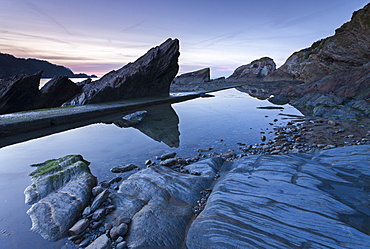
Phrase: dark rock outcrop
pixel 57 91
pixel 200 76
pixel 257 69
pixel 60 190
pixel 349 48
pixel 11 66
pixel 150 75
pixel 20 93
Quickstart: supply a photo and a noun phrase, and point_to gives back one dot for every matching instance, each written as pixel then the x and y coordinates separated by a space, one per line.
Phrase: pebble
pixel 79 227
pixel 330 146
pixel 85 242
pixel 98 214
pixel 331 122
pixel 121 245
pixel 97 190
pixel 263 138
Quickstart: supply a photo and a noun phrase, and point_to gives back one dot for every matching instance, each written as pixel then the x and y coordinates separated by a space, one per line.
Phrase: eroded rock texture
pixel 150 75
pixel 159 201
pixel 256 69
pixel 292 201
pixel 60 190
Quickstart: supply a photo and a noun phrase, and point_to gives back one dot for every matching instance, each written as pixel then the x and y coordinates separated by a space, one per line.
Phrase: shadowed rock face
pixel 19 93
pixel 60 190
pixel 348 48
pixel 57 91
pixel 150 75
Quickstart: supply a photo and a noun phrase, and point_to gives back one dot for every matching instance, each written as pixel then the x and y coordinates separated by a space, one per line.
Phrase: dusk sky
pixel 98 36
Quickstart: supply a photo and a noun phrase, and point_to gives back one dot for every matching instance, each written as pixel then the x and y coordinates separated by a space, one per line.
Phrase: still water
pixel 218 122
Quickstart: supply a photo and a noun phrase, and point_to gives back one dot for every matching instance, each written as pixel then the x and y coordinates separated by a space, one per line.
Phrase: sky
pixel 95 37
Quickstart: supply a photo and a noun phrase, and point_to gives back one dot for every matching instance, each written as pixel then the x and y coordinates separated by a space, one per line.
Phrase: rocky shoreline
pixel 105 222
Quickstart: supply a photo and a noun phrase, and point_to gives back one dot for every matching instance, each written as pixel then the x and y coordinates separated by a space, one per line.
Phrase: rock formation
pixel 150 75
pixel 19 93
pixel 200 76
pixel 255 70
pixel 349 48
pixel 60 190
pixel 57 91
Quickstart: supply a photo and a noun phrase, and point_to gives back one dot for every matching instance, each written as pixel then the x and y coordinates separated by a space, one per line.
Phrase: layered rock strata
pixel 150 75
pixel 60 190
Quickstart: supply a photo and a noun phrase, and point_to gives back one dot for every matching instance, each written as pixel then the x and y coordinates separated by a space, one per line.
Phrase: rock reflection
pixel 157 122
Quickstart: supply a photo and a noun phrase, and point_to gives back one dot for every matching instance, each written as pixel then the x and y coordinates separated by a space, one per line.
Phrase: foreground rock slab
pixel 292 201
pixel 59 192
pixel 159 201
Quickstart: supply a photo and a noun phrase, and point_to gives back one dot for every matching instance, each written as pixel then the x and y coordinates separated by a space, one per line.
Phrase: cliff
pixel 347 49
pixel 11 66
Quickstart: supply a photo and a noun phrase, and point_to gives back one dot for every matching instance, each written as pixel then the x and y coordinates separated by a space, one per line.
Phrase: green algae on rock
pixel 60 190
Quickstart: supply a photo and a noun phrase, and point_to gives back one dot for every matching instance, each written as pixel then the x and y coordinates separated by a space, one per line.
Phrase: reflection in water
pixel 160 123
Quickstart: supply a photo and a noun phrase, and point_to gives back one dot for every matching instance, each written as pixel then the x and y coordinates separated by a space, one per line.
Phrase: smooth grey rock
pixel 121 245
pixel 131 119
pixel 124 168
pixel 60 190
pixel 102 242
pixel 79 227
pixel 289 201
pixel 159 201
pixel 150 75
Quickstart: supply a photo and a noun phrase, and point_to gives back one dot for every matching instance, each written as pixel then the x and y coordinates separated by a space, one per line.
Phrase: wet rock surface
pixel 291 201
pixel 59 192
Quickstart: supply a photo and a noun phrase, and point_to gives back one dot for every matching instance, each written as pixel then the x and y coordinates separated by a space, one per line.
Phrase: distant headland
pixel 11 65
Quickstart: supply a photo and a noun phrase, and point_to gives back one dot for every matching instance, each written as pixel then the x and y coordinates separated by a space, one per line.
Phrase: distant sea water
pixel 43 81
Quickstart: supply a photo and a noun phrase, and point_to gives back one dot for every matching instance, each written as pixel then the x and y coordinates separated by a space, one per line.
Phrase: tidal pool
pixel 218 122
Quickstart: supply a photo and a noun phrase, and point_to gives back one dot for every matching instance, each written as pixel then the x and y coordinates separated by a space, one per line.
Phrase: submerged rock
pixel 59 192
pixel 150 75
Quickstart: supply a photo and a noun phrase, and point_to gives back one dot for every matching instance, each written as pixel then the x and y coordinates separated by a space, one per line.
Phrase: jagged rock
pixel 292 201
pixel 200 76
pixel 20 93
pixel 150 75
pixel 348 48
pixel 319 98
pixel 159 200
pixel 60 190
pixel 57 91
pixel 256 69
